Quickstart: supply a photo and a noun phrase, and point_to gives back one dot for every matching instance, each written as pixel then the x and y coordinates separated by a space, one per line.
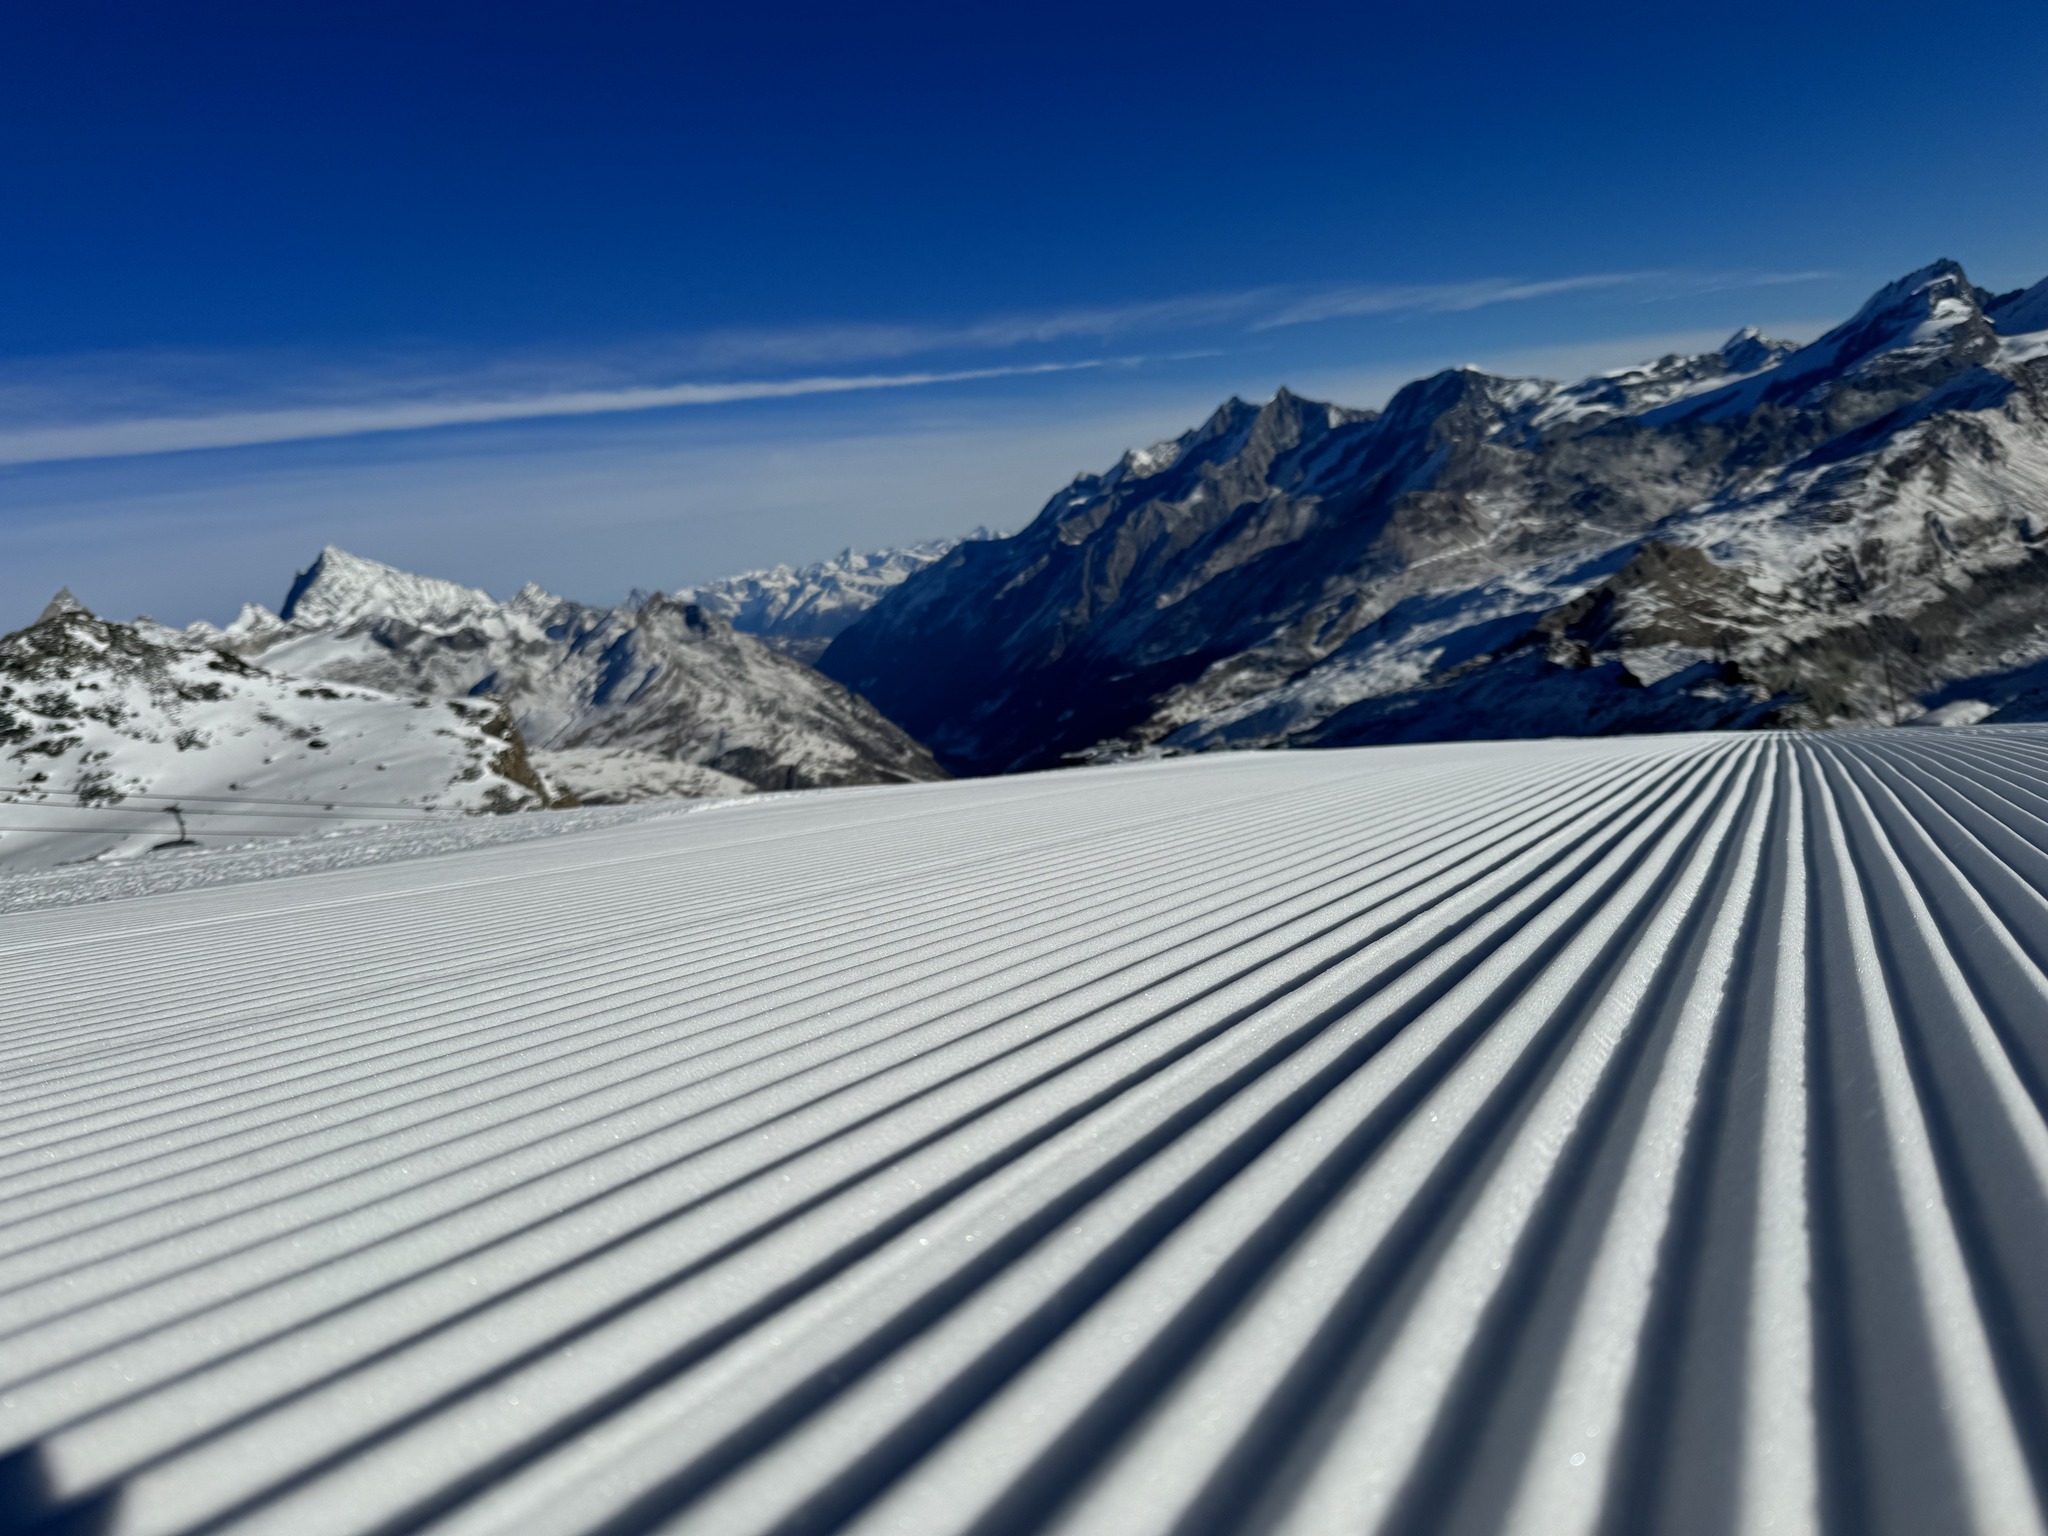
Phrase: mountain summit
pixel 339 587
pixel 1850 530
pixel 661 698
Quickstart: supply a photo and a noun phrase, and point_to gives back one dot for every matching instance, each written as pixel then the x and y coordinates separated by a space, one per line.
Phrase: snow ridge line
pixel 1533 1137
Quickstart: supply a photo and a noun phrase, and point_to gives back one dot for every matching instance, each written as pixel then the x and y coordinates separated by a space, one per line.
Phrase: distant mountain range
pixel 1769 534
pixel 1850 531
pixel 373 693
pixel 799 610
pixel 661 697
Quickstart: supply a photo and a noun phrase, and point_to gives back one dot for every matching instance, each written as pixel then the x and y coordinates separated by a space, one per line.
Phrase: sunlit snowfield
pixel 1633 1135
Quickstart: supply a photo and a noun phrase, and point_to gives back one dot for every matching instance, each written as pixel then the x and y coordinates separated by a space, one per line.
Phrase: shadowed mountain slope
pixel 1766 534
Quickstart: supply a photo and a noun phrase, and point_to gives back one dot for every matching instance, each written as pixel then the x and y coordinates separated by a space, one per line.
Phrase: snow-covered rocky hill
pixel 118 738
pixel 798 610
pixel 1847 531
pixel 663 697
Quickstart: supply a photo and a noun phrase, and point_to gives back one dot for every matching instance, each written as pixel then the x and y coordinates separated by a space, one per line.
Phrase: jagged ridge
pixel 798 610
pixel 1843 531
pixel 662 697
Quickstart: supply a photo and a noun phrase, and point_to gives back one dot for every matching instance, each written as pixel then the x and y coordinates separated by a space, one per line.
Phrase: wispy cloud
pixel 141 404
pixel 1457 298
pixel 128 438
pixel 810 345
pixel 1434 298
pixel 1246 309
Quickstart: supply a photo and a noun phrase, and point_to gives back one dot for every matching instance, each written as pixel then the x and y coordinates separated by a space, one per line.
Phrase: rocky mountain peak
pixel 64 602
pixel 1222 435
pixel 1142 463
pixel 1458 401
pixel 1726 525
pixel 1935 307
pixel 2021 312
pixel 339 587
pixel 1749 351
pixel 669 683
pixel 797 610
pixel 97 715
pixel 535 602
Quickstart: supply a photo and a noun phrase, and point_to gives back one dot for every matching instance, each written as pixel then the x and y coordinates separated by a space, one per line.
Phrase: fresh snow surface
pixel 1639 1134
pixel 222 860
pixel 106 728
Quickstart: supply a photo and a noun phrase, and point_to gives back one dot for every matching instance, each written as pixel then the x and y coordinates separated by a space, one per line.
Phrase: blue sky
pixel 629 295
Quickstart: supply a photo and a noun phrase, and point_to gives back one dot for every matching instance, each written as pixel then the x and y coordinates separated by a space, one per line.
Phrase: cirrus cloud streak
pixel 113 406
pixel 174 434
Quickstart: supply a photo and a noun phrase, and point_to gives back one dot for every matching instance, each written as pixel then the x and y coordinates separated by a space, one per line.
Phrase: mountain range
pixel 1848 531
pixel 662 696
pixel 376 694
pixel 800 610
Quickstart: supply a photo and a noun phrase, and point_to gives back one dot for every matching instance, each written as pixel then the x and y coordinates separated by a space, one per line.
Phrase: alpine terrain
pixel 799 611
pixel 1770 534
pixel 663 697
pixel 116 739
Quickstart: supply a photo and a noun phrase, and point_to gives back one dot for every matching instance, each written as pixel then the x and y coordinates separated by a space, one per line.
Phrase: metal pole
pixel 1884 658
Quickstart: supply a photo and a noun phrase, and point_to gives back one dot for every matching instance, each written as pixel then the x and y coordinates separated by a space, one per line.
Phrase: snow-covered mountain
pixel 1851 530
pixel 105 728
pixel 665 697
pixel 798 610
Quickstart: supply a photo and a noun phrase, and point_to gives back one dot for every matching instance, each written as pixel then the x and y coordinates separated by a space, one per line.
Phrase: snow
pixel 339 587
pixel 114 742
pixel 225 859
pixel 611 777
pixel 1151 461
pixel 1964 469
pixel 2025 314
pixel 829 1161
pixel 799 608
pixel 665 679
pixel 1644 387
pixel 1957 712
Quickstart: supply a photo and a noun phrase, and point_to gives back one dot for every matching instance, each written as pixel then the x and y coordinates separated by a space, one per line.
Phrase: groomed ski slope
pixel 1636 1135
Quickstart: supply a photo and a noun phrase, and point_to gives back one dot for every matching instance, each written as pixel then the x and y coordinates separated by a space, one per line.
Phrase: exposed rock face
pixel 1766 534
pixel 665 680
pixel 104 727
